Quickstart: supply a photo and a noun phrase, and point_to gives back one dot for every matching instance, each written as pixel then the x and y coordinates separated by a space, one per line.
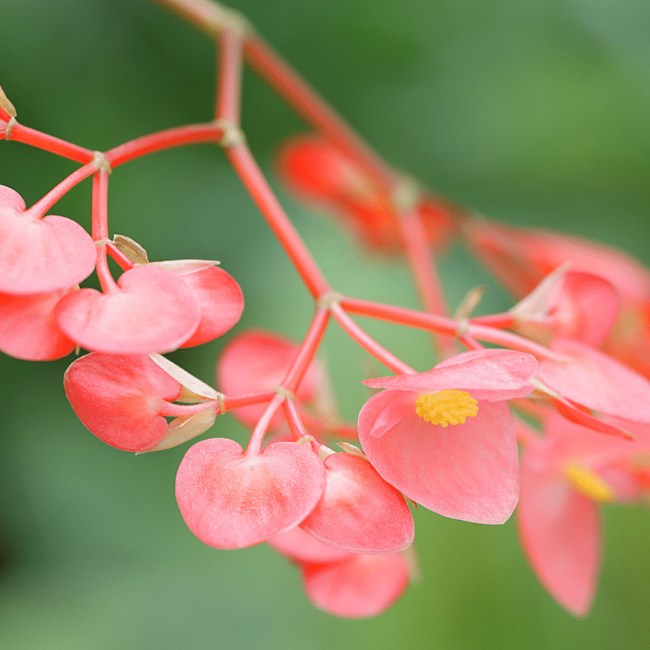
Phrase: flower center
pixel 446 407
pixel 589 484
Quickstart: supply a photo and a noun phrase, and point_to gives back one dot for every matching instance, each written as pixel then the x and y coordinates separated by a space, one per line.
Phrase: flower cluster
pixel 573 355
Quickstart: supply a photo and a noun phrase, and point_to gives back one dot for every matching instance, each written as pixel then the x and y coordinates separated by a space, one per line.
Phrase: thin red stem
pixel 122 260
pixel 311 106
pixel 257 437
pixel 244 164
pixel 176 137
pixel 100 229
pixel 230 402
pixel 24 134
pixel 425 273
pixel 368 343
pixel 229 79
pixel 294 420
pixel 307 350
pixel 41 207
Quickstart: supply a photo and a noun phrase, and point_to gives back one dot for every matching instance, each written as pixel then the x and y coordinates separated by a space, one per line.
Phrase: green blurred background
pixel 531 112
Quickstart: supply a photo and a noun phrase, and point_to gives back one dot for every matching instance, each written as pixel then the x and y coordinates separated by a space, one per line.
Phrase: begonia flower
pixel 360 586
pixel 566 475
pixel 468 470
pixel 40 255
pixel 325 176
pixel 28 329
pixel 341 583
pixel 359 511
pixel 568 304
pixel 520 258
pixel 119 398
pixel 231 499
pixel 150 310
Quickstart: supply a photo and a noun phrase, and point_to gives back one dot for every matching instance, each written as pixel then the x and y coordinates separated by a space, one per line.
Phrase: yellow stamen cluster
pixel 589 483
pixel 446 407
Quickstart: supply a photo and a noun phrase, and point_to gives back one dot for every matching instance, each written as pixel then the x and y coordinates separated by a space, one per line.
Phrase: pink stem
pixel 229 81
pixel 176 137
pixel 244 164
pixel 100 229
pixel 307 350
pixel 369 344
pixel 257 437
pixel 294 420
pixel 230 402
pixel 24 134
pixel 122 260
pixel 425 273
pixel 311 106
pixel 39 208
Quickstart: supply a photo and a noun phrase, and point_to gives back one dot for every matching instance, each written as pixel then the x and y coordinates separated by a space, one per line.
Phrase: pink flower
pixel 341 583
pixel 468 470
pixel 325 176
pixel 565 476
pixel 520 258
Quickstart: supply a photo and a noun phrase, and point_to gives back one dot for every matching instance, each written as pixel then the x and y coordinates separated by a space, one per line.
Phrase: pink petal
pixel 469 471
pixel 119 398
pixel 359 511
pixel 300 546
pixel 28 329
pixel 232 500
pixel 597 381
pixel 257 361
pixel 358 587
pixel 586 308
pixel 560 534
pixel 485 374
pixel 154 311
pixel 40 256
pixel 219 297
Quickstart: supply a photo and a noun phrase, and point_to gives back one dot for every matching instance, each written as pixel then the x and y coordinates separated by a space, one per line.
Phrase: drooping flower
pixel 566 475
pixel 341 583
pixel 327 177
pixel 520 258
pixel 123 401
pixel 468 470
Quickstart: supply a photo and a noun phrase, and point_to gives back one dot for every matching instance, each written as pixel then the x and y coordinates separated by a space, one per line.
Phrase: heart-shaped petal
pixel 40 256
pixel 230 499
pixel 153 311
pixel 28 329
pixel 469 471
pixel 359 511
pixel 119 398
